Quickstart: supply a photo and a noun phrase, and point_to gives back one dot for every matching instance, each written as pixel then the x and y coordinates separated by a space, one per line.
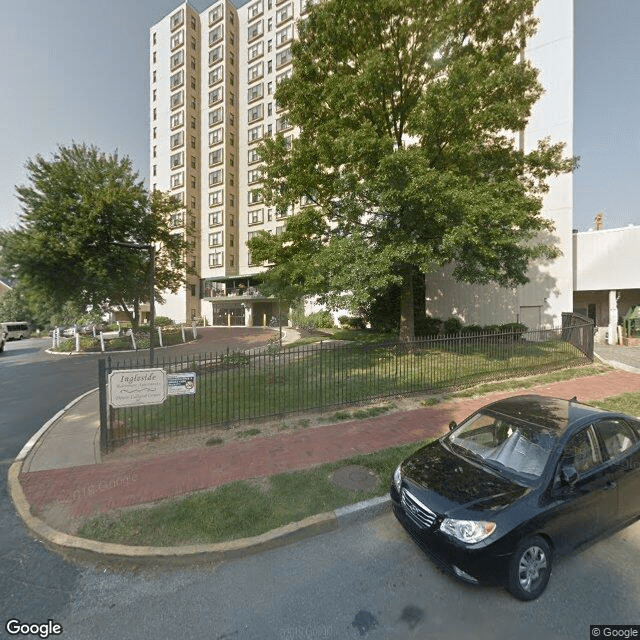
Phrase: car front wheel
pixel 529 568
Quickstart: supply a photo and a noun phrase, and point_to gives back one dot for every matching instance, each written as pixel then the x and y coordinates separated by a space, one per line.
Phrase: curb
pixel 82 549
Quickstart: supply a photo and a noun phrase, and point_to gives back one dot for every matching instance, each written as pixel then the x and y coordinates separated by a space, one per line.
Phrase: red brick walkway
pixel 94 489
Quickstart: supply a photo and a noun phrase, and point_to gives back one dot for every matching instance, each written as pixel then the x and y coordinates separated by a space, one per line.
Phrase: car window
pixel 617 437
pixel 582 451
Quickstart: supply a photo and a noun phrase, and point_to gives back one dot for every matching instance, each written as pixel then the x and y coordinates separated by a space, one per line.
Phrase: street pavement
pixel 60 469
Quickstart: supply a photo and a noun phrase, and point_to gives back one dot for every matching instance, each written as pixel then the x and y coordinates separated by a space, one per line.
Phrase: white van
pixel 15 330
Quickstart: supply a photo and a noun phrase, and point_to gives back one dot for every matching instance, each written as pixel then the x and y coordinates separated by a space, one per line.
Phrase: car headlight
pixel 397 478
pixel 467 531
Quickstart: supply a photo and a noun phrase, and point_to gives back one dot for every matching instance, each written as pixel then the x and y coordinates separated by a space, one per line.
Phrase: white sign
pixel 132 387
pixel 181 384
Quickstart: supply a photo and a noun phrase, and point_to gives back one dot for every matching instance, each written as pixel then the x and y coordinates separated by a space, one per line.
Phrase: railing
pixel 232 387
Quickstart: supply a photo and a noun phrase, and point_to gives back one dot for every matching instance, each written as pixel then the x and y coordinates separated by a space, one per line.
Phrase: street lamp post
pixel 150 247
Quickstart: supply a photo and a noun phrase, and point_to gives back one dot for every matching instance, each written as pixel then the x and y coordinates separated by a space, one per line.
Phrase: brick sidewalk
pixel 95 489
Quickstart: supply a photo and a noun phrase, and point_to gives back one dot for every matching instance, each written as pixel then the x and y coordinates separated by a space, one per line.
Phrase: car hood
pixel 447 482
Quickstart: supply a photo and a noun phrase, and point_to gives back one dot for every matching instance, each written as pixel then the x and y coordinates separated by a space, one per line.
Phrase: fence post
pixel 104 415
pixel 320 382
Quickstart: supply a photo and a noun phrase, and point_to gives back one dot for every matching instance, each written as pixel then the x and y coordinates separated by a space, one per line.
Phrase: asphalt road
pixel 364 581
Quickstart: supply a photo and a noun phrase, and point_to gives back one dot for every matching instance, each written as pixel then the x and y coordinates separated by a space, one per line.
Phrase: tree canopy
pixel 74 208
pixel 407 115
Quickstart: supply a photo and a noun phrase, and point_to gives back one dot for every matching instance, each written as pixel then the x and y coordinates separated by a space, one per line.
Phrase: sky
pixel 78 71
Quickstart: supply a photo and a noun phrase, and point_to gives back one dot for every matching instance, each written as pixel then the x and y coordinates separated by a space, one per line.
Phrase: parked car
pixel 520 482
pixel 3 340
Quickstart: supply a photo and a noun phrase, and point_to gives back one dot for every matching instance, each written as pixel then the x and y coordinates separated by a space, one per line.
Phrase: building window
pixel 193 122
pixel 154 75
pixel 215 55
pixel 216 259
pixel 282 124
pixel 231 201
pixel 215 136
pixel 176 220
pixel 255 30
pixel 216 177
pixel 177 40
pixel 193 185
pixel 215 14
pixel 215 218
pixel 215 35
pixel 176 160
pixel 254 156
pixel 255 92
pixel 193 63
pixel 255 51
pixel 254 196
pixel 232 159
pixel 215 239
pixel 194 44
pixel 256 9
pixel 215 198
pixel 215 96
pixel 177 99
pixel 232 139
pixel 255 133
pixel 215 157
pixel 176 140
pixel 283 57
pixel 177 19
pixel 176 120
pixel 177 180
pixel 284 14
pixel 255 113
pixel 193 82
pixel 216 116
pixel 215 75
pixel 193 142
pixel 176 60
pixel 176 80
pixel 255 175
pixel 256 216
pixel 155 39
pixel 284 35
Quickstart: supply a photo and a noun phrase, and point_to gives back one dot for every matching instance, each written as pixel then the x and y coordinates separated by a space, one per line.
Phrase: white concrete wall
pixel 549 292
pixel 607 259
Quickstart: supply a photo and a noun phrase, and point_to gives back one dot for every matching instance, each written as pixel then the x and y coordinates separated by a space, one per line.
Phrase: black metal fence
pixel 232 387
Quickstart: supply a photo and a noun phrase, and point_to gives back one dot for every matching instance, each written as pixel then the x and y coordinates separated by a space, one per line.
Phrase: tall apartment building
pixel 213 79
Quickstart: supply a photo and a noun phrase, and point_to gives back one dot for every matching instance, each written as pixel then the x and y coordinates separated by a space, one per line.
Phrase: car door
pixel 583 509
pixel 621 447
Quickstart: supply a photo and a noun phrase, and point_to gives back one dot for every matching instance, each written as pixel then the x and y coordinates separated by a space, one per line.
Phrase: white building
pixel 540 302
pixel 606 278
pixel 213 76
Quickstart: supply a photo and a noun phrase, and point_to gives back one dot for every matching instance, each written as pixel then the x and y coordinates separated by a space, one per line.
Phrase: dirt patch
pixel 155 446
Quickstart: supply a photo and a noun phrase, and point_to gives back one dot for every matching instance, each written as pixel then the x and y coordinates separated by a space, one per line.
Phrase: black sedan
pixel 518 482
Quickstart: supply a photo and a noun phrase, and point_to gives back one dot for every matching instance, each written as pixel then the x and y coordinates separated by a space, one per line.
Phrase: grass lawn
pixel 243 509
pixel 238 387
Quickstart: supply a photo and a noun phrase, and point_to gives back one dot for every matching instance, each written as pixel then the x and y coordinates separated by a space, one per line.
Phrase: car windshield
pixel 519 448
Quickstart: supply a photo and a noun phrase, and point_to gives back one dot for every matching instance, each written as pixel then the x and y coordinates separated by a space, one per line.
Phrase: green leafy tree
pixel 408 114
pixel 73 210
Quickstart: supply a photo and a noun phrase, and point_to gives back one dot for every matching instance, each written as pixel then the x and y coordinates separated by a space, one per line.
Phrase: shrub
pixel 163 321
pixel 515 329
pixel 472 329
pixel 352 322
pixel 428 326
pixel 452 325
pixel 491 328
pixel 317 320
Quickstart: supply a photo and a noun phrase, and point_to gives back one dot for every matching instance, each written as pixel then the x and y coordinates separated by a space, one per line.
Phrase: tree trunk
pixel 407 325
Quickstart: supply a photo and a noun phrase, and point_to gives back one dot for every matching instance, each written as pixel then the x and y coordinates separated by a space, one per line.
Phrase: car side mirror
pixel 568 474
pixel 453 425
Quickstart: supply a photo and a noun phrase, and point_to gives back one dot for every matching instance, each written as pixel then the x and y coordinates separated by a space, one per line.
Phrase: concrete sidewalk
pixel 61 471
